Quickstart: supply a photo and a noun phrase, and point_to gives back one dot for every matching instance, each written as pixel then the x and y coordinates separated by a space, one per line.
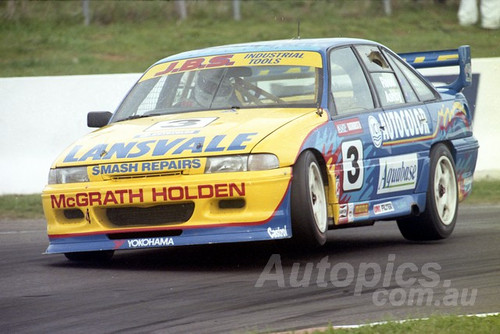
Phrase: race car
pixel 266 141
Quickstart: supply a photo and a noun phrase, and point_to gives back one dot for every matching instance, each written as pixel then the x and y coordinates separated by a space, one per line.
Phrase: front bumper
pixel 168 211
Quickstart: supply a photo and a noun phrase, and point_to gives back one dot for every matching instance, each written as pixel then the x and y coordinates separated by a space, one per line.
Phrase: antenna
pixel 298 29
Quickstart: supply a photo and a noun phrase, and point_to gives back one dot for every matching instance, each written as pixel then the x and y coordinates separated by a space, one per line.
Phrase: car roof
pixel 316 44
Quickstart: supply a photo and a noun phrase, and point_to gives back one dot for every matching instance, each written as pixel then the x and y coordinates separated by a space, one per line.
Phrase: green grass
pixel 21 206
pixel 484 191
pixel 49 37
pixel 433 325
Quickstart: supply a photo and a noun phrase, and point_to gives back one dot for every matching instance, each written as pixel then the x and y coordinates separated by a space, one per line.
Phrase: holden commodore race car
pixel 265 141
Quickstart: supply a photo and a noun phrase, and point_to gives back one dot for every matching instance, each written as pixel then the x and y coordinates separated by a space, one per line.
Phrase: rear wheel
pixel 439 218
pixel 309 203
pixel 97 256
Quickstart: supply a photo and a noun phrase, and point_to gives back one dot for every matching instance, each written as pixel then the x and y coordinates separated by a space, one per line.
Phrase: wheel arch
pixel 322 164
pixel 308 200
pixel 423 184
pixel 325 175
pixel 448 145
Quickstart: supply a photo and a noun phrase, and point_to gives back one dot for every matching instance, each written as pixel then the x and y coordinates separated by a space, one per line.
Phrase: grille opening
pixel 232 203
pixel 73 214
pixel 137 176
pixel 154 215
pixel 146 234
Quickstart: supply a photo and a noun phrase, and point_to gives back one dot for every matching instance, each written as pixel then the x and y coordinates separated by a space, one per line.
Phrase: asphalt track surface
pixel 368 274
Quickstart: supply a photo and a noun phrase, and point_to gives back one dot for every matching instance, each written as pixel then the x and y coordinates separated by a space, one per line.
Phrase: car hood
pixel 194 134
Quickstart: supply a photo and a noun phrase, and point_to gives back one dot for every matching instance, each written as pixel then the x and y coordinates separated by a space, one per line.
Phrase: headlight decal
pixel 68 175
pixel 262 162
pixel 241 163
pixel 224 164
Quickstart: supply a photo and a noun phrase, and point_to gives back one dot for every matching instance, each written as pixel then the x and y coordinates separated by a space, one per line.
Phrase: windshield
pixel 226 81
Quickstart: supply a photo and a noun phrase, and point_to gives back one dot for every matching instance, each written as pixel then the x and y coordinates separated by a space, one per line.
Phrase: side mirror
pixel 98 119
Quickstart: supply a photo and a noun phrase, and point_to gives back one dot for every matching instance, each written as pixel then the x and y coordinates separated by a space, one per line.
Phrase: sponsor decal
pixel 346 213
pixel 175 132
pixel 158 148
pixel 195 64
pixel 146 167
pixel 383 208
pixel 150 242
pixel 163 194
pixel 178 193
pixel 468 72
pixel 468 183
pixel 115 169
pixel 361 209
pixel 278 232
pixel 375 131
pixel 349 127
pixel 299 58
pixel 398 173
pixel 96 198
pixel 465 184
pixel 181 124
pixel 343 212
pixel 350 213
pixel 392 91
pixel 399 126
pixel 271 58
pixel 337 185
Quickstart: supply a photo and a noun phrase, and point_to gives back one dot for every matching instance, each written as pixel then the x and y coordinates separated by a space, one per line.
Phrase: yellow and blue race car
pixel 264 141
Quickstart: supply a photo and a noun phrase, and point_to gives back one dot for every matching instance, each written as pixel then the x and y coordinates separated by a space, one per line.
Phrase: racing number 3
pixel 352 152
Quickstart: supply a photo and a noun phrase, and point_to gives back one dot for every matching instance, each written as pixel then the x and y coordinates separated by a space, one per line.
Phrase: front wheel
pixel 439 218
pixel 309 203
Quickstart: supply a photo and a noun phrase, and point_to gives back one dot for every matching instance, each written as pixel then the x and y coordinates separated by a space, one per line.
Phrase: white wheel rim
pixel 445 190
pixel 318 198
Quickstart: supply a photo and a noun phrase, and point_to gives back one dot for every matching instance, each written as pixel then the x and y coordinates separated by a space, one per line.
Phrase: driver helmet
pixel 212 88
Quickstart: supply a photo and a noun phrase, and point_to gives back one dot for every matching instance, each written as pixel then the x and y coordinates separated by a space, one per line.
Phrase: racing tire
pixel 95 256
pixel 440 216
pixel 308 203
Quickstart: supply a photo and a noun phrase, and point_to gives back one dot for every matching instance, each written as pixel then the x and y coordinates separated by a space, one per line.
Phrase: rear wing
pixel 460 57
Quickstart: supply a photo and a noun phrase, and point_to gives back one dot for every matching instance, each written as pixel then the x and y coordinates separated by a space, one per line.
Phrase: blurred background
pixel 92 36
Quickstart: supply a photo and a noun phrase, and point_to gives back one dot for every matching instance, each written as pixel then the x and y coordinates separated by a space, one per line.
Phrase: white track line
pixel 310 330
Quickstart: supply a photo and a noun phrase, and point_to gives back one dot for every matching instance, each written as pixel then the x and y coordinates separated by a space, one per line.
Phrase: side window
pixel 423 91
pixel 348 84
pixel 388 89
pixel 151 99
pixel 384 79
pixel 408 91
